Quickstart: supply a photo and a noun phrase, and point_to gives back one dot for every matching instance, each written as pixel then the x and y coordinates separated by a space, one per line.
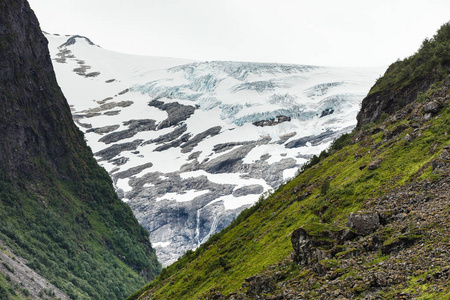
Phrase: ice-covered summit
pixel 191 144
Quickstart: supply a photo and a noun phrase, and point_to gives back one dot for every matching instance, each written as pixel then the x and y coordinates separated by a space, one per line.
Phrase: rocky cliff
pixel 34 114
pixel 58 209
pixel 368 218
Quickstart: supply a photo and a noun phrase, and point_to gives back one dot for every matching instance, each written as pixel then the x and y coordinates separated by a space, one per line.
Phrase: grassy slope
pixel 261 235
pixel 264 237
pixel 77 234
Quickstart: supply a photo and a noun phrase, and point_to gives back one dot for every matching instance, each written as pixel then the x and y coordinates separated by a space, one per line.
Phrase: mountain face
pixel 59 214
pixel 188 144
pixel 28 93
pixel 366 219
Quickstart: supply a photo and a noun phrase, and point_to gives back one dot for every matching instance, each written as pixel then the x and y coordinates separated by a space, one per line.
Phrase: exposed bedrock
pixel 249 190
pixel 134 126
pixel 104 129
pixel 182 224
pixel 272 121
pixel 271 173
pixel 116 149
pixel 173 144
pixel 313 139
pixel 173 183
pixel 176 227
pixel 193 142
pixel 165 138
pixel 108 106
pixel 227 146
pixel 176 112
pixel 231 162
pixel 131 171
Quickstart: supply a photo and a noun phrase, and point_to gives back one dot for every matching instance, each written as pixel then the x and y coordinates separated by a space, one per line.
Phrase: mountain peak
pixel 75 38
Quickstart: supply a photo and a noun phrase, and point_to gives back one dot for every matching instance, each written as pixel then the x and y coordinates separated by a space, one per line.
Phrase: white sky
pixel 319 32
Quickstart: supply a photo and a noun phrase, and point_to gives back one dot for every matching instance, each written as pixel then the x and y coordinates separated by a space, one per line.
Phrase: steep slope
pixel 58 208
pixel 191 144
pixel 369 218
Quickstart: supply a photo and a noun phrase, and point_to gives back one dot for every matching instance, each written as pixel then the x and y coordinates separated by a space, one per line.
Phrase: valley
pixel 189 145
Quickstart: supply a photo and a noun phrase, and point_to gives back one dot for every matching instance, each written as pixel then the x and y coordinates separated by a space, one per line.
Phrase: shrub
pixel 325 186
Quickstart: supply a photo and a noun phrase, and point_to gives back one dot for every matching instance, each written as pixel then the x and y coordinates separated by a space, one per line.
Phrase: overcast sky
pixel 318 32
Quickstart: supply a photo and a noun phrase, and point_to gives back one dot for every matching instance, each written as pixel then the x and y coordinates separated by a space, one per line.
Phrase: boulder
pixel 374 165
pixel 260 284
pixel 431 107
pixel 408 138
pixel 363 223
pixel 309 249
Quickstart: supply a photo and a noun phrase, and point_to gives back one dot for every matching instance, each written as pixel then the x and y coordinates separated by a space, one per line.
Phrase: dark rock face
pixel 307 247
pixel 397 245
pixel 389 102
pixel 189 145
pixel 260 285
pixel 313 139
pixel 133 171
pixel 73 39
pixel 134 126
pixel 230 162
pixel 247 190
pixel 326 112
pixel 116 149
pixel 177 112
pixel 35 119
pixel 165 138
pixel 272 122
pixel 104 129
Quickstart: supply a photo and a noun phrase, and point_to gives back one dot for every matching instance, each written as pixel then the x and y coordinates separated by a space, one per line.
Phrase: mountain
pixel 366 219
pixel 63 230
pixel 190 144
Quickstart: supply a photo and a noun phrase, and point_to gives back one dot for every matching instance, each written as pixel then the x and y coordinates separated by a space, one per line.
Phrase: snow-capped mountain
pixel 191 144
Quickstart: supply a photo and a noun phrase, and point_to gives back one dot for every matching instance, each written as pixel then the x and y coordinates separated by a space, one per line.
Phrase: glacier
pixel 190 144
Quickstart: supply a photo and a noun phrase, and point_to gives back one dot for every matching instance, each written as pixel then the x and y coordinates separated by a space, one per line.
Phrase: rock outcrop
pixel 272 122
pixel 34 113
pixel 389 102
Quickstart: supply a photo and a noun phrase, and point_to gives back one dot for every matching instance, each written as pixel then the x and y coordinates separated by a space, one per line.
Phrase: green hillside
pixel 394 169
pixel 79 236
pixel 58 208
